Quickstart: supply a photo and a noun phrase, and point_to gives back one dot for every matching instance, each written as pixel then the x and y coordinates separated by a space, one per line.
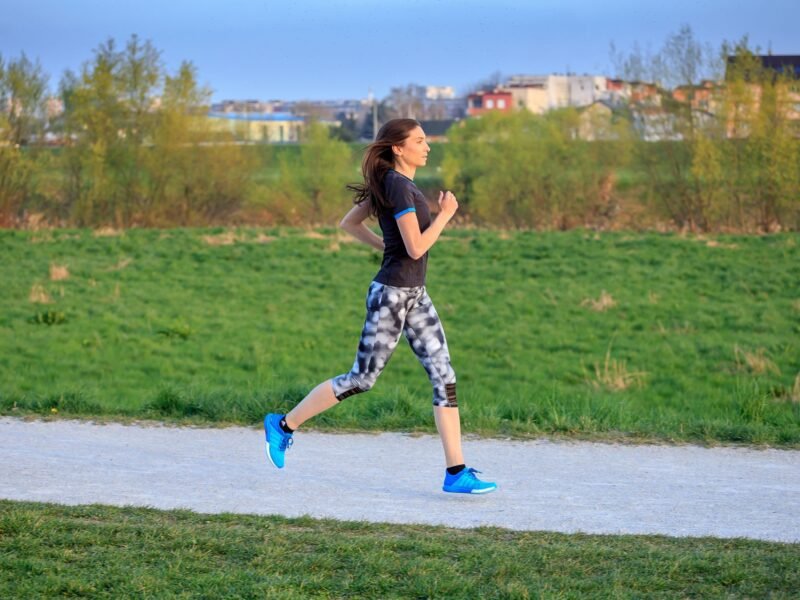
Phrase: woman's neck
pixel 405 169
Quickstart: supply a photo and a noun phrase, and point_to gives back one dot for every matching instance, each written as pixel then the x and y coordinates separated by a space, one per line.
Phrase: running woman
pixel 397 301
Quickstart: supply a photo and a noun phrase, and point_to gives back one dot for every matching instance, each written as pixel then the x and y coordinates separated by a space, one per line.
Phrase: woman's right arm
pixel 416 243
pixel 353 223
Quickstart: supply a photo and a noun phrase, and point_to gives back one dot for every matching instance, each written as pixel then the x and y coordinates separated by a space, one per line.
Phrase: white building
pixel 540 93
pixel 439 92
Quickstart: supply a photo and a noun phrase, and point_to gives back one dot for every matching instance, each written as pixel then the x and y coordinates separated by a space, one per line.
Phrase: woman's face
pixel 414 150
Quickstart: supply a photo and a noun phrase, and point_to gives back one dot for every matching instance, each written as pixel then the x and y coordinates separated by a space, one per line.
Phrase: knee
pixel 347 385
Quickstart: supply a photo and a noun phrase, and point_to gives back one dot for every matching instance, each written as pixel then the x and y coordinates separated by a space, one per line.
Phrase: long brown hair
pixel 379 158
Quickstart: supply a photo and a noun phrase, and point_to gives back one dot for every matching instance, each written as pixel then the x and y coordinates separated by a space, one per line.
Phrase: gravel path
pixel 391 477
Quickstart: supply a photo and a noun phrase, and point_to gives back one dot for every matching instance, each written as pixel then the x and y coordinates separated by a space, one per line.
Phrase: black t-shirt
pixel 398 268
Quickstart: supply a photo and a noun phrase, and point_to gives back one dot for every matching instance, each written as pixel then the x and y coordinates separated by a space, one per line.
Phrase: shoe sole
pixel 484 491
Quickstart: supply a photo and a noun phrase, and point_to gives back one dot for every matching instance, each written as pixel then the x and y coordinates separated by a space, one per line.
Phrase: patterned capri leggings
pixel 391 310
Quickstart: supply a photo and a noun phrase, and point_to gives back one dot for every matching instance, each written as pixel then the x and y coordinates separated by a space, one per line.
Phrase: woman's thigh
pixel 425 334
pixel 386 312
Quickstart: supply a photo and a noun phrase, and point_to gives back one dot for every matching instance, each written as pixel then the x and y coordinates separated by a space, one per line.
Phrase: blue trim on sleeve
pixel 402 212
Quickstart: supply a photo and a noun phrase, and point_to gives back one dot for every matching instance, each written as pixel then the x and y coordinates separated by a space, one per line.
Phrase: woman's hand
pixel 419 242
pixel 448 204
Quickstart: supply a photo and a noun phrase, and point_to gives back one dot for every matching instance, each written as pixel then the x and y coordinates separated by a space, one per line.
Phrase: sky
pixel 336 49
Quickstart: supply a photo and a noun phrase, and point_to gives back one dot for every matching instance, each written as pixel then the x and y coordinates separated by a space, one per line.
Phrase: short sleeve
pixel 400 196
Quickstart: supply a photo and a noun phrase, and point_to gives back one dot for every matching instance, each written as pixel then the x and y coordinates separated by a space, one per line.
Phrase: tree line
pixel 131 162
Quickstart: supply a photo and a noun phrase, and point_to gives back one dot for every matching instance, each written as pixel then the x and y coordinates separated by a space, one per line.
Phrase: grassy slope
pixel 164 324
pixel 98 551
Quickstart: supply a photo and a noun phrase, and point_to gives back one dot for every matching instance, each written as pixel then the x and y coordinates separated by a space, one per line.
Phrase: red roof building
pixel 481 102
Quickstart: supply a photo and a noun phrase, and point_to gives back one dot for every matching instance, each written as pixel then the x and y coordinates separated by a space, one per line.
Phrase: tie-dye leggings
pixel 390 311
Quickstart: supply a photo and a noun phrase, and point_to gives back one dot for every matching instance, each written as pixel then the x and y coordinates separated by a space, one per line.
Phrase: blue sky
pixel 317 49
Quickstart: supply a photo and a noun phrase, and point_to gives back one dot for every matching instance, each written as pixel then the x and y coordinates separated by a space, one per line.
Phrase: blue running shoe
pixel 278 441
pixel 465 482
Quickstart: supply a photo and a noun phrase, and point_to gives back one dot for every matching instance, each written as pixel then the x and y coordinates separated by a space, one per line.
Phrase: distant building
pixel 487 101
pixel 439 92
pixel 706 96
pixel 327 109
pixel 618 91
pixel 426 102
pixel 783 64
pixel 259 127
pixel 584 90
pixel 595 121
pixel 53 107
pixel 11 106
pixel 529 93
pixel 654 124
pixel 644 94
pixel 245 106
pixel 540 93
pixel 774 65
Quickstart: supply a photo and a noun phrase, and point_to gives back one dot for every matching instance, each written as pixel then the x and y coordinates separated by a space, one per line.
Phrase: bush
pixel 524 170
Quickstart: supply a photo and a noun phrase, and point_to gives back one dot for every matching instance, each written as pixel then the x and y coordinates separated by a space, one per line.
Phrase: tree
pixel 406 101
pixel 637 65
pixel 139 153
pixel 763 155
pixel 681 60
pixel 348 130
pixel 731 161
pixel 684 164
pixel 22 88
pixel 139 74
pixel 23 85
pixel 311 186
pixel 524 170
pixel 685 61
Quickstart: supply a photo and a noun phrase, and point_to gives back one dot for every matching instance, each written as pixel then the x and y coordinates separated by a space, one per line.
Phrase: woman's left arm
pixel 353 223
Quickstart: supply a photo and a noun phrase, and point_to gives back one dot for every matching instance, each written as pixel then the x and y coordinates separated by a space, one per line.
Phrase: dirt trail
pixel 391 477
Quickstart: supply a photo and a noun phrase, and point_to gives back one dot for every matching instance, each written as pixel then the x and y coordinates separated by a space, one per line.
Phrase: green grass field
pixel 96 551
pixel 597 335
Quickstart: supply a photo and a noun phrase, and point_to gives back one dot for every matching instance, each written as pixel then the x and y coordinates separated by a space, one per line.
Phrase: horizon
pixel 313 51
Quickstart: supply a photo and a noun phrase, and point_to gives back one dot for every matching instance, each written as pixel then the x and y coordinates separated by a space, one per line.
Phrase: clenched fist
pixel 448 204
